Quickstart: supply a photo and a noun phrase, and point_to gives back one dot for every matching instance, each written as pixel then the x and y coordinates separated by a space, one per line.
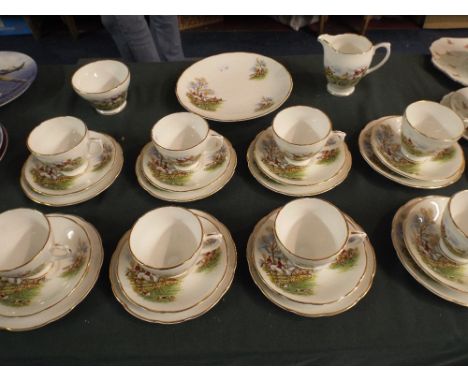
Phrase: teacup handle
pixel 335 139
pixel 95 149
pixel 60 251
pixel 355 238
pixel 387 47
pixel 215 142
pixel 211 241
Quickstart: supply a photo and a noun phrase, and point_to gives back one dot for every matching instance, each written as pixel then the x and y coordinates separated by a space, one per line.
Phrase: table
pixel 398 322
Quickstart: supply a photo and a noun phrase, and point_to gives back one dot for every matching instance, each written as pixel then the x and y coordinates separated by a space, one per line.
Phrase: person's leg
pixel 166 34
pixel 110 23
pixel 134 31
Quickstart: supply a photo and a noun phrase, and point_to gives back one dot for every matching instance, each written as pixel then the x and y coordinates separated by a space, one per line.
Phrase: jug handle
pixel 386 46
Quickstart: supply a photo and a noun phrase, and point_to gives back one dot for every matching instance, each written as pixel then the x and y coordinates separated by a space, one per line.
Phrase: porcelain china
pixel 231 87
pixel 197 184
pixel 29 296
pixel 346 302
pixel 332 180
pixel 79 293
pixel 422 233
pixel 346 59
pixel 450 56
pixel 386 144
pixel 51 180
pixel 273 163
pixel 64 199
pixel 374 162
pixel 104 84
pixel 3 141
pixel 17 73
pixel 459 105
pixel 412 267
pixel 195 302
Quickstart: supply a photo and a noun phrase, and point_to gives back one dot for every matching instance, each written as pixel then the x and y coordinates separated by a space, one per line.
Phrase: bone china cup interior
pixel 181 137
pixel 25 236
pixel 428 128
pixel 454 228
pixel 301 132
pixel 310 231
pixel 104 84
pixel 166 241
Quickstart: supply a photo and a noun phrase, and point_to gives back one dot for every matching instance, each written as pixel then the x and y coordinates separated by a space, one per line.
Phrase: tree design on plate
pixel 346 260
pixel 346 79
pixel 259 70
pixel 426 236
pixel 104 158
pixel 328 156
pixel 410 147
pixel 217 159
pixel 165 171
pixel 202 96
pixel 264 104
pixel 445 155
pixel 209 260
pixel 281 271
pixel 78 262
pixel 276 162
pixel 19 292
pixel 153 288
pixel 51 175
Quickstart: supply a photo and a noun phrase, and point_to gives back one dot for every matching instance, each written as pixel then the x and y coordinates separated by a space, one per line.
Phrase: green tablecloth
pixel 398 322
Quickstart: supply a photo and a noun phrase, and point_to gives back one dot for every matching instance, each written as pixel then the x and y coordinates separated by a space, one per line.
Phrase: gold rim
pixel 268 175
pixel 414 272
pixel 351 34
pixel 254 235
pixel 264 289
pixel 105 91
pixel 152 190
pixel 118 252
pixel 86 291
pixel 42 247
pixel 454 140
pixel 208 131
pixel 196 250
pixel 336 253
pixel 450 212
pixel 28 191
pixel 111 139
pixel 145 148
pixel 61 152
pixel 330 126
pixel 77 283
pixel 277 106
pixel 401 180
pixel 265 181
pixel 228 238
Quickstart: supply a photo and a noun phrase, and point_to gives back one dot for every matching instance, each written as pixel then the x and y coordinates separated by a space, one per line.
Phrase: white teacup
pixel 64 144
pixel 27 247
pixel 168 241
pixel 312 232
pixel 454 228
pixel 104 84
pixel 428 128
pixel 302 132
pixel 459 104
pixel 183 138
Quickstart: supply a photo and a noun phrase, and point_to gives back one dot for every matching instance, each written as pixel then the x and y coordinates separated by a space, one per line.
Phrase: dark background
pixel 398 322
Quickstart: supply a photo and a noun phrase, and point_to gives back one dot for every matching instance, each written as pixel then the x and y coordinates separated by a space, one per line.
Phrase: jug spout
pixel 325 39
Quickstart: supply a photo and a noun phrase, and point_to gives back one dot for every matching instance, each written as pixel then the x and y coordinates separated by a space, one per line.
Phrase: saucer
pixel 321 285
pixel 386 143
pixel 197 309
pixel 294 190
pixel 445 101
pixel 165 176
pixel 48 180
pixel 450 55
pixel 421 234
pixel 317 310
pixel 274 164
pixel 17 73
pixel 373 161
pixel 412 267
pixel 81 196
pixel 19 298
pixel 187 196
pixel 66 305
pixel 3 141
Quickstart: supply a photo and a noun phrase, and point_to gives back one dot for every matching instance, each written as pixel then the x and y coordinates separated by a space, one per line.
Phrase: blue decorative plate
pixel 17 73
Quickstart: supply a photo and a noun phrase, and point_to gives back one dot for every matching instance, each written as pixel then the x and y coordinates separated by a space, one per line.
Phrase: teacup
pixel 182 139
pixel 459 104
pixel 301 132
pixel 63 144
pixel 312 232
pixel 454 228
pixel 168 241
pixel 104 84
pixel 428 128
pixel 27 246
